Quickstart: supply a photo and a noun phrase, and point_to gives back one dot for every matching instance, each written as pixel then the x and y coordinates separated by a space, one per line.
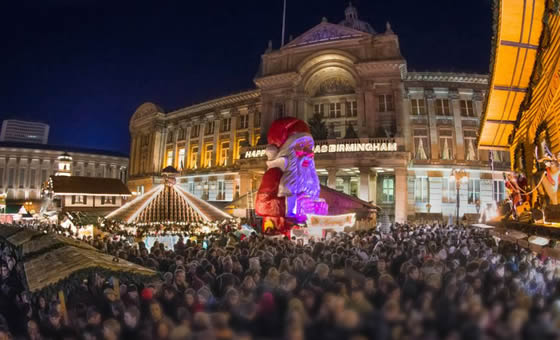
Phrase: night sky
pixel 84 66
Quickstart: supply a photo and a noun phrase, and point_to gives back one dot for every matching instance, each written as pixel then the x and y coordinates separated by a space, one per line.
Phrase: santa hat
pixel 286 128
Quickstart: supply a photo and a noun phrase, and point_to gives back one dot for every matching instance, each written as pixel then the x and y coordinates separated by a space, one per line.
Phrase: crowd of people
pixel 411 282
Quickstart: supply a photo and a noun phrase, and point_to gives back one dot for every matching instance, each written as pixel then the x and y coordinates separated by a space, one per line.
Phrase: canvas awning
pixel 519 25
pixel 50 259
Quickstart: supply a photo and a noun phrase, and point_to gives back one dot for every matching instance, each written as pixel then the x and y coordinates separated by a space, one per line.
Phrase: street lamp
pixel 459 176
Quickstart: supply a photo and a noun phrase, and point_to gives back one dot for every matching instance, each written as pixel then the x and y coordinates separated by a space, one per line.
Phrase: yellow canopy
pixel 519 28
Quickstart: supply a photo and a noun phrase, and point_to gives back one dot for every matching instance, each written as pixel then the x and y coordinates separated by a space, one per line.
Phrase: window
pixel 499 190
pixel 221 195
pixel 421 194
pixel 421 144
pixel 226 124
pixel 32 175
pixel 279 110
pixel 224 151
pixel 446 144
pixel 243 121
pixel 79 199
pixel 21 178
pixel 257 119
pixel 418 106
pixel 319 109
pixel 11 179
pixel 442 107
pixel 169 161
pixel 471 154
pixel 108 200
pixel 240 143
pixel 208 155
pixel 352 108
pixel 181 162
pixel 474 191
pixel 194 156
pixel 467 108
pixel 334 110
pixel 449 190
pixel 190 187
pixel 181 134
pixel 388 190
pixel 385 103
pixel 43 176
pixel 195 131
pixel 209 128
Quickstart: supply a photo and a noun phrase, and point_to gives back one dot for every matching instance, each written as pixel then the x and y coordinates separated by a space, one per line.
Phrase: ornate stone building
pixel 394 136
pixel 25 167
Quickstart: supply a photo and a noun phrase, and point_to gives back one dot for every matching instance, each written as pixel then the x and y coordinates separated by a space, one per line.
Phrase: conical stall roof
pixel 167 203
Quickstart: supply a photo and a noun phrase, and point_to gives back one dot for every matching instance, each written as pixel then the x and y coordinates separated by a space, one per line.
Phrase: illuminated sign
pixel 255 153
pixel 355 147
pixel 331 221
pixel 338 147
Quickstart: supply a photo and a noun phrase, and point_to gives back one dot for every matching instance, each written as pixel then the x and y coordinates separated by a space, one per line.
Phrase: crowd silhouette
pixel 411 282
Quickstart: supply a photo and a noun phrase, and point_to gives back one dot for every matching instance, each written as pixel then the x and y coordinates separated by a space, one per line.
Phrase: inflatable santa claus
pixel 290 187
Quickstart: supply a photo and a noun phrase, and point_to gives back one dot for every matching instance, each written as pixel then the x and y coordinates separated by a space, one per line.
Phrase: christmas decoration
pixel 290 187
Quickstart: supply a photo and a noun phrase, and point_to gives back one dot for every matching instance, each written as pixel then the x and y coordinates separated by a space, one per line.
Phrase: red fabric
pixel 267 201
pixel 283 128
pixel 146 294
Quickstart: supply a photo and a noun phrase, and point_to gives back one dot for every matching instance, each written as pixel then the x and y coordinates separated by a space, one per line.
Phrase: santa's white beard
pixel 298 179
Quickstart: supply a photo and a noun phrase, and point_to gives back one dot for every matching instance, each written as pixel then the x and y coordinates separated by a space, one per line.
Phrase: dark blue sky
pixel 83 66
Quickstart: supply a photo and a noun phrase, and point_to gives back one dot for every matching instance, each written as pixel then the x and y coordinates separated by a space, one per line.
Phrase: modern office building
pixel 394 136
pixel 20 131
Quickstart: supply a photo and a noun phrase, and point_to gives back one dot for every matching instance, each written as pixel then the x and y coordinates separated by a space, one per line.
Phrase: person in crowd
pixel 410 282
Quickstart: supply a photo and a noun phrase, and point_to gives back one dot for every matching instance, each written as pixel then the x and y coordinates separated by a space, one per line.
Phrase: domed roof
pixel 352 21
pixel 146 109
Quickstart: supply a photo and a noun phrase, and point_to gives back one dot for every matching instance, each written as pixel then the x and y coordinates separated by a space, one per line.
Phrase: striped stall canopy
pixel 167 203
pixel 519 25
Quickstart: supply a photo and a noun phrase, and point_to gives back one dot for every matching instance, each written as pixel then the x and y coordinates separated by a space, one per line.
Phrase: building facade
pixel 20 131
pixel 393 136
pixel 24 168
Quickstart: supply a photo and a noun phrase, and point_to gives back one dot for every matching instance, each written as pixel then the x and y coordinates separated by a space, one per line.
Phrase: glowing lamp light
pixel 539 241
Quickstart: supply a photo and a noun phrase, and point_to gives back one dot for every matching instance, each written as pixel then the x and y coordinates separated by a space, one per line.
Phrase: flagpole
pixel 283 23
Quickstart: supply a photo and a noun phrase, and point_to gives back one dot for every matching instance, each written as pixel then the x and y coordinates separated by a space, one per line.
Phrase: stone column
pixel 187 146
pixel 459 147
pixel 363 189
pixel 405 118
pixel 244 182
pixel 216 140
pixel 400 195
pixel 331 179
pixel 433 131
pixel 362 120
pixel 372 118
pixel 373 187
pixel 232 139
pixel 201 145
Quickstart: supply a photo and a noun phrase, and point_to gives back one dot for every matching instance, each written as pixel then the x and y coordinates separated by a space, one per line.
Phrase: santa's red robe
pixel 268 204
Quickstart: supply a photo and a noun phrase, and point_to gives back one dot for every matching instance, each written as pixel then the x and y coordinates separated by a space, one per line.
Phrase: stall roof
pixel 519 25
pixel 74 185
